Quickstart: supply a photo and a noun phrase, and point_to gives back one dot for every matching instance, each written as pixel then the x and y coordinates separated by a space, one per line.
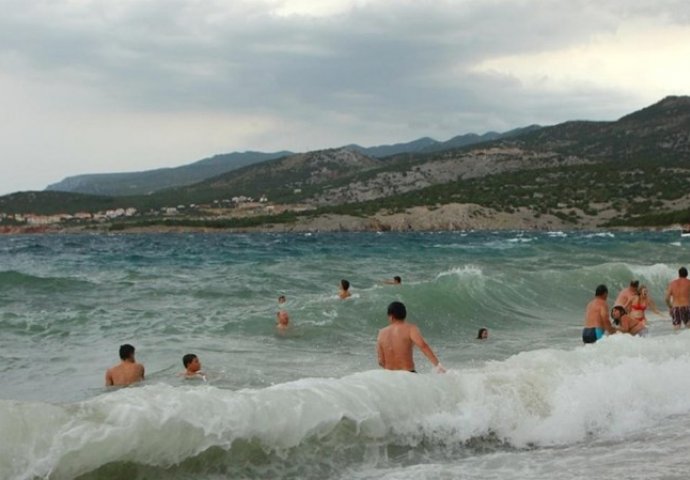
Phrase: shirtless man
pixel 344 289
pixel 678 299
pixel 127 372
pixel 627 293
pixel 394 281
pixel 394 343
pixel 597 317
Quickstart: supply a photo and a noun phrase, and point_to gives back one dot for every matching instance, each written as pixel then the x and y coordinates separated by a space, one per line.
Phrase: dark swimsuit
pixel 592 334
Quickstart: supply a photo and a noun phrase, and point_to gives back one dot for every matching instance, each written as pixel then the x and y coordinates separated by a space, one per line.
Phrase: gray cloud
pixel 405 65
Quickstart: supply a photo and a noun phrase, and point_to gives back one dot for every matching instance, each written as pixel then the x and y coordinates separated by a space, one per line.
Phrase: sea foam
pixel 540 398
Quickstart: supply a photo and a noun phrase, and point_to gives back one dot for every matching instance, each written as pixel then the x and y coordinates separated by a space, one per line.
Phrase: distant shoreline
pixel 449 217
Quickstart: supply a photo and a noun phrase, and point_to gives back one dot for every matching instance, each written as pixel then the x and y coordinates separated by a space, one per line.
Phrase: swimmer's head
pixel 683 272
pixel 634 283
pixel 397 311
pixel 616 313
pixel 191 362
pixel 345 285
pixel 126 352
pixel 482 334
pixel 281 299
pixel 397 279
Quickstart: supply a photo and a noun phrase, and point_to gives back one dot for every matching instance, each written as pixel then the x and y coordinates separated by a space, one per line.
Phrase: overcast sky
pixel 91 86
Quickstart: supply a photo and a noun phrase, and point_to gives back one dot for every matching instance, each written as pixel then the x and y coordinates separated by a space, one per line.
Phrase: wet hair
pixel 621 310
pixel 281 298
pixel 126 351
pixel 683 272
pixel 601 290
pixel 397 310
pixel 187 359
pixel 634 283
pixel 397 279
pixel 345 284
pixel 480 332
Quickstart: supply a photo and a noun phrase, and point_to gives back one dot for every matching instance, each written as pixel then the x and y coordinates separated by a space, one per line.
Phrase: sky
pixel 92 86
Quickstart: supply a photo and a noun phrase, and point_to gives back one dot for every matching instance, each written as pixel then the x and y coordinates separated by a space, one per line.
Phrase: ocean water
pixel 531 402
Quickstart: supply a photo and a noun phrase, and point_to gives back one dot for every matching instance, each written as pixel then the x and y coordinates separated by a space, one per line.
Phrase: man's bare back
pixel 678 293
pixel 127 372
pixel 395 342
pixel 597 315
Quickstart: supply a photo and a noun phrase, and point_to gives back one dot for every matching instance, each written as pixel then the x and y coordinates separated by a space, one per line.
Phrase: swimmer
pixel 627 293
pixel 627 323
pixel 394 343
pixel 283 319
pixel 482 334
pixel 678 299
pixel 344 289
pixel 395 281
pixel 597 317
pixel 127 372
pixel 192 366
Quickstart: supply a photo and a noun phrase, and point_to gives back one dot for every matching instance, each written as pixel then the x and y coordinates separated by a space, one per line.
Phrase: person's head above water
pixel 191 362
pixel 482 334
pixel 634 284
pixel 344 284
pixel 397 311
pixel 683 272
pixel 281 299
pixel 397 279
pixel 126 352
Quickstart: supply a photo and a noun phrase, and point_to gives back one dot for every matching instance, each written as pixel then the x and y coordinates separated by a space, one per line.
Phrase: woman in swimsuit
pixel 639 303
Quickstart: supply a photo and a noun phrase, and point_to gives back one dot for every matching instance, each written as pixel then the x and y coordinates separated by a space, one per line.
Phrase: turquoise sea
pixel 531 402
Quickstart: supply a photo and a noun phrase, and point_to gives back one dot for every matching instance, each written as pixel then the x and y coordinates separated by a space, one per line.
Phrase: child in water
pixel 192 367
pixel 482 334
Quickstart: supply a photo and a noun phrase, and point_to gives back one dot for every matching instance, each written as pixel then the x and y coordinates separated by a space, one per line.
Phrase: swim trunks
pixel 680 314
pixel 592 334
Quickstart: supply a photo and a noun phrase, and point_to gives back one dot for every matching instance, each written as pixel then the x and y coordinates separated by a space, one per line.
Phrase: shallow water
pixel 530 402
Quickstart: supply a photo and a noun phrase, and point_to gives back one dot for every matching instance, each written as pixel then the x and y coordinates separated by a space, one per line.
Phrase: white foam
pixel 464 271
pixel 612 389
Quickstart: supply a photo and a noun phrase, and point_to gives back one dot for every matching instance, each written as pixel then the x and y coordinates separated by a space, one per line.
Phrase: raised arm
pixel 652 306
pixel 379 351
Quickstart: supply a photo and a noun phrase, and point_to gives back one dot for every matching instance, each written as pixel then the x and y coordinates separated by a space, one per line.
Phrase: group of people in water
pixel 395 342
pixel 628 312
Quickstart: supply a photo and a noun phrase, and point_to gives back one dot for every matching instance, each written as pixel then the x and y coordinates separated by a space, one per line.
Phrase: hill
pixel 149 181
pixel 632 171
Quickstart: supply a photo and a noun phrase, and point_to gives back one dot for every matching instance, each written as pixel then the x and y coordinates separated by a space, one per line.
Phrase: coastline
pixel 448 217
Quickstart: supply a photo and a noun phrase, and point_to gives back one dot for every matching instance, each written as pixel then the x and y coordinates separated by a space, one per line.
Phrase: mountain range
pixel 150 181
pixel 632 171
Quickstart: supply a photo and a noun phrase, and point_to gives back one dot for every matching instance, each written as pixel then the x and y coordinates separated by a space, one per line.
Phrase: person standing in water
pixel 282 317
pixel 597 317
pixel 626 294
pixel 482 334
pixel 394 343
pixel 639 303
pixel 127 372
pixel 344 289
pixel 678 299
